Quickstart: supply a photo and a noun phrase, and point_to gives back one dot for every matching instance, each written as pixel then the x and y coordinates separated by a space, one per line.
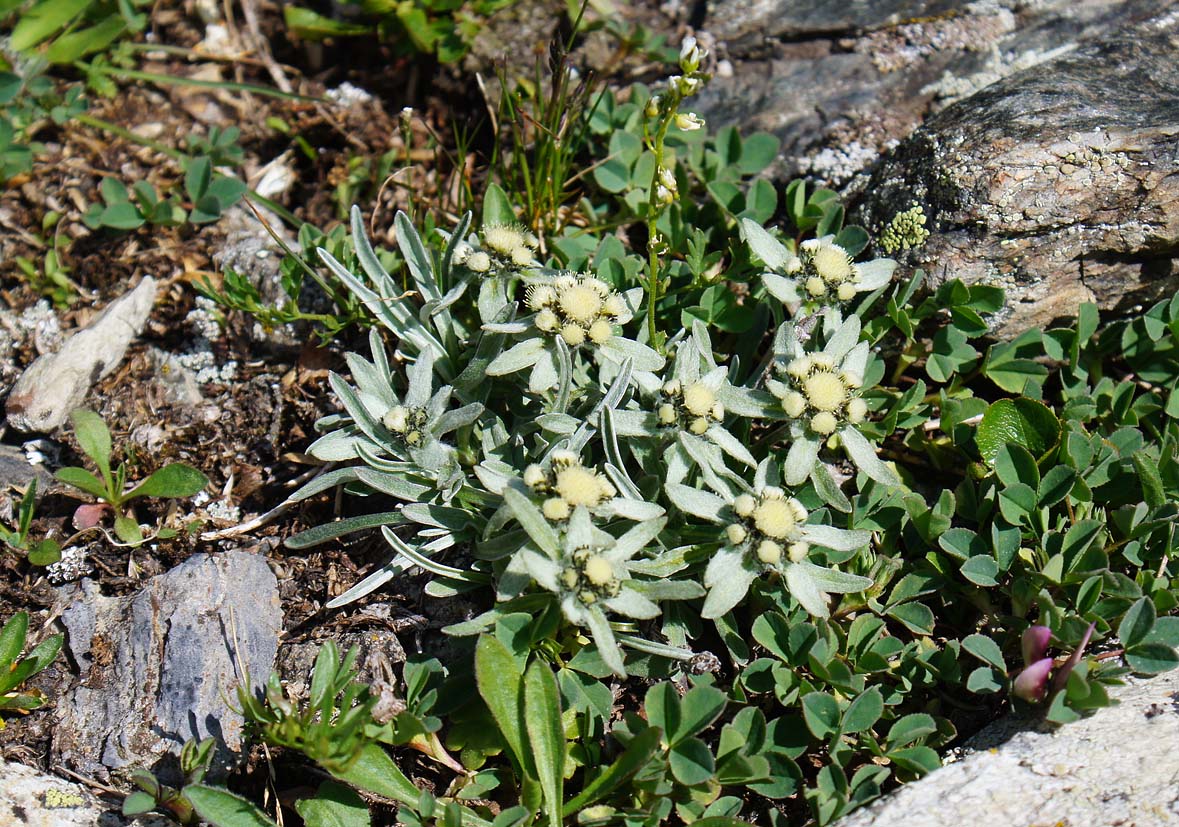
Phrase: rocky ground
pixel 1041 140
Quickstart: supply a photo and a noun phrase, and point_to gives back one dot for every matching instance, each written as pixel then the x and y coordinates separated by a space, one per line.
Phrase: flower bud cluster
pixel 576 308
pixel 693 406
pixel 826 271
pixel 407 424
pixel 818 390
pixel 567 484
pixel 666 187
pixel 590 577
pixel 502 247
pixel 769 524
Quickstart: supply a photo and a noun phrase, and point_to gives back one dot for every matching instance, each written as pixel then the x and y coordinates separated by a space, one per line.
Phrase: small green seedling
pixel 15 670
pixel 173 480
pixel 153 796
pixel 40 553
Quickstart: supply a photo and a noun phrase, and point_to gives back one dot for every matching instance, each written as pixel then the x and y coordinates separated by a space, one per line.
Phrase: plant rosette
pixel 766 532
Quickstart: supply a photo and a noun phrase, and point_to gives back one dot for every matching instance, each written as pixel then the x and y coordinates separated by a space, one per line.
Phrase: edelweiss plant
pixel 766 532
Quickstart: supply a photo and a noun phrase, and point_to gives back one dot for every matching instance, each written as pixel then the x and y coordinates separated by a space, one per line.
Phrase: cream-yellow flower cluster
pixel 407 423
pixel 567 484
pixel 825 269
pixel 576 308
pixel 591 577
pixel 822 393
pixel 695 403
pixel 770 523
pixel 503 247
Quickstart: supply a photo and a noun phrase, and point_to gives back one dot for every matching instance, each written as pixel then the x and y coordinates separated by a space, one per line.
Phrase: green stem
pixel 654 208
pixel 128 135
pixel 228 85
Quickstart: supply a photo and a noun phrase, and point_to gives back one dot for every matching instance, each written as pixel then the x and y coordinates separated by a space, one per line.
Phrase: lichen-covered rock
pixel 1117 767
pixel 29 798
pixel 158 666
pixel 1057 183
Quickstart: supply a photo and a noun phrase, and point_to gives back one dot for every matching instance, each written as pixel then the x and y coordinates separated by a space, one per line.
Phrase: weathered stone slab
pixel 1117 767
pixel 1059 183
pixel 29 798
pixel 157 667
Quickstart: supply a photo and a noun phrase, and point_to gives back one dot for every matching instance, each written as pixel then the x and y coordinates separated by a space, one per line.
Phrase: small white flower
pixel 689 122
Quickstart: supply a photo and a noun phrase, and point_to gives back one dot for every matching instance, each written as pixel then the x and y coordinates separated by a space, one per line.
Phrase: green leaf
pixel 198 172
pixel 310 25
pixel 982 570
pixel 919 760
pixel 1056 485
pixel 1022 421
pixel 698 709
pixel 83 479
pixel 1151 658
pixel 638 754
pixel 692 762
pixel 985 680
pixel 94 439
pixel 222 808
pixel 497 209
pixel 1016 502
pixel 962 543
pixel 908 729
pixel 1137 623
pixel 334 805
pixel 138 803
pixel 1153 490
pixel 44 553
pixel 127 529
pixel 122 216
pixel 546 735
pixel 12 639
pixel 917 617
pixel 986 650
pixel 175 480
pixel 375 772
pixel 1013 464
pixel 821 713
pixel 74 45
pixel 864 711
pixel 500 683
pixel 43 20
pixel 758 151
pixel 532 521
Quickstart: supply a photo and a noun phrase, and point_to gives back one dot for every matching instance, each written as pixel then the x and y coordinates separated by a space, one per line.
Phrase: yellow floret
pixel 580 303
pixel 815 286
pixel 397 419
pixel 615 306
pixel 573 334
pixel 699 426
pixel 744 505
pixel 793 403
pixel 578 485
pixel 857 409
pixel 736 533
pixel 698 399
pixel 825 391
pixel 534 476
pixel 503 238
pixel 598 570
pixel 800 367
pixel 774 518
pixel 832 263
pixel 798 552
pixel 846 291
pixel 666 414
pixel 479 262
pixel 823 423
pixel 521 256
pixel 541 295
pixel 769 552
pixel 547 321
pixel 600 332
pixel 556 509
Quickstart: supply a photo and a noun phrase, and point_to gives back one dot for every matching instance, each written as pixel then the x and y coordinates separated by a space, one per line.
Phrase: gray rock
pixel 1117 767
pixel 17 472
pixel 56 383
pixel 29 798
pixel 1056 183
pixel 157 667
pixel 842 83
pixel 737 19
